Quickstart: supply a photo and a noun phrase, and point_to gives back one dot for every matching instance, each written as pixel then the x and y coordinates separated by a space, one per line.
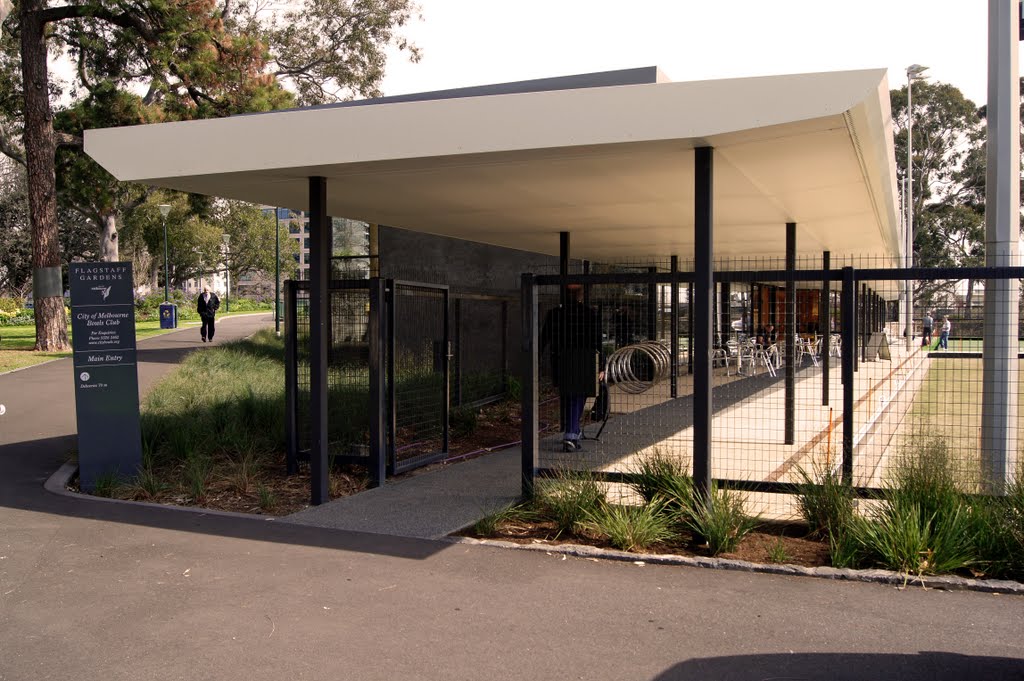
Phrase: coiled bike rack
pixel 620 370
pixel 622 364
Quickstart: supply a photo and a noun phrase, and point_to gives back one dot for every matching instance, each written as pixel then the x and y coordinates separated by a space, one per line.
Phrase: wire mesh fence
pixel 440 354
pixel 933 366
pixel 418 380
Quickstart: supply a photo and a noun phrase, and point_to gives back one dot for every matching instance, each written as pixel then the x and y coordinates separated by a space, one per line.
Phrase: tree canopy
pixel 138 62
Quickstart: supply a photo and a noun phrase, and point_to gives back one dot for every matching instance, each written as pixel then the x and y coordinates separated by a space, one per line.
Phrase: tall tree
pixel 947 129
pixel 191 59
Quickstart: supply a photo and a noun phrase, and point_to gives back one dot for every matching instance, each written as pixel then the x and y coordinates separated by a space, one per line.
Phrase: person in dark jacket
pixel 207 306
pixel 573 334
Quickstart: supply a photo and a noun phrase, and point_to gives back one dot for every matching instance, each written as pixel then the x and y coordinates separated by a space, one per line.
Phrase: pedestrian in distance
pixel 207 307
pixel 947 326
pixel 926 330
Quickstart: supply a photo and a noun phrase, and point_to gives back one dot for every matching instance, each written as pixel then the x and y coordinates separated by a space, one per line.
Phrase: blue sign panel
pixel 106 376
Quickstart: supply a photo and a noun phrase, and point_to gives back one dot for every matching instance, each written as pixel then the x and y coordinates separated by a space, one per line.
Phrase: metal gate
pixel 418 379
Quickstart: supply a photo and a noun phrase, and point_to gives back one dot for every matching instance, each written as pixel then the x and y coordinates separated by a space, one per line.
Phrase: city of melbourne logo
pixel 104 290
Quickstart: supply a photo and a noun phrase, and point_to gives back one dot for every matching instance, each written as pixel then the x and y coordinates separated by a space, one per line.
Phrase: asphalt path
pixel 97 590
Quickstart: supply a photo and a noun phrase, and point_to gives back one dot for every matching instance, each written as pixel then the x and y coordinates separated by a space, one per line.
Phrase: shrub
pixel 568 499
pixel 462 421
pixel 658 476
pixel 492 522
pixel 722 523
pixel 631 528
pixel 825 501
pixel 902 538
pixel 10 305
pixel 17 320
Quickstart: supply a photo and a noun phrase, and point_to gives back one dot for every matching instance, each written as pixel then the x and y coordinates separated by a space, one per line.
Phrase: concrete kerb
pixel 945 583
pixel 57 484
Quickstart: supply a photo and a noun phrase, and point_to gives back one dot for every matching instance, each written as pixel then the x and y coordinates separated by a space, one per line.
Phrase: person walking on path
pixel 573 334
pixel 926 330
pixel 947 326
pixel 207 306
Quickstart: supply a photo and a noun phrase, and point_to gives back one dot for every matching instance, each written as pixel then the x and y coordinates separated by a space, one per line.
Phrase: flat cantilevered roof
pixel 612 164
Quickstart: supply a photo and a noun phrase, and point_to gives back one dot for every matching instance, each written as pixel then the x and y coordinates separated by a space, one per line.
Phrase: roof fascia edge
pixel 872 118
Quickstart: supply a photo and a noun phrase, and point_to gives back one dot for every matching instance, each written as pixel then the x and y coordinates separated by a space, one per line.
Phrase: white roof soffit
pixel 611 165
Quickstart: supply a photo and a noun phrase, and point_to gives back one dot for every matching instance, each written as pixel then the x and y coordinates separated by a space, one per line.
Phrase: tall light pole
pixel 227 271
pixel 164 210
pixel 277 271
pixel 914 72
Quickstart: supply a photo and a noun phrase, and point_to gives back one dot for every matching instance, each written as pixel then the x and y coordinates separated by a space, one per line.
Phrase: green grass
pixel 16 342
pixel 948 407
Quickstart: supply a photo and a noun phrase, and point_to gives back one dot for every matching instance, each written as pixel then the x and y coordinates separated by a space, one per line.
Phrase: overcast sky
pixel 475 42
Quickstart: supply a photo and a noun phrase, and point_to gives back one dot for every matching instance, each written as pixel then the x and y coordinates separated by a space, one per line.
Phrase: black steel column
pixel 529 395
pixel 862 306
pixel 704 288
pixel 586 287
pixel 724 312
pixel 291 386
pixel 689 329
pixel 388 443
pixel 849 329
pixel 652 306
pixel 790 321
pixel 319 320
pixel 563 300
pixel 457 333
pixel 825 325
pixel 382 397
pixel 563 266
pixel 673 326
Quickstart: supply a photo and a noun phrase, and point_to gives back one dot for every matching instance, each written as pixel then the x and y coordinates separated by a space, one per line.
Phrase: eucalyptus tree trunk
pixel 51 323
pixel 108 238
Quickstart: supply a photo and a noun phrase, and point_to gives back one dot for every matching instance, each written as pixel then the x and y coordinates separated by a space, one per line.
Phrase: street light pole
pixel 164 210
pixel 914 72
pixel 277 271
pixel 227 271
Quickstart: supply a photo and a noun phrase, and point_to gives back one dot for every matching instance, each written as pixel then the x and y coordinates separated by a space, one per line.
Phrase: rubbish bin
pixel 168 316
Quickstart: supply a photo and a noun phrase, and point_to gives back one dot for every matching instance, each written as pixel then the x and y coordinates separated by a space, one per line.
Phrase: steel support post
pixel 999 405
pixel 674 329
pixel 862 308
pixel 724 312
pixel 291 387
pixel 825 325
pixel 704 288
pixel 389 340
pixel 848 310
pixel 586 287
pixel 529 395
pixel 379 407
pixel 689 329
pixel 652 306
pixel 563 266
pixel 790 321
pixel 319 268
pixel 563 300
pixel 277 271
